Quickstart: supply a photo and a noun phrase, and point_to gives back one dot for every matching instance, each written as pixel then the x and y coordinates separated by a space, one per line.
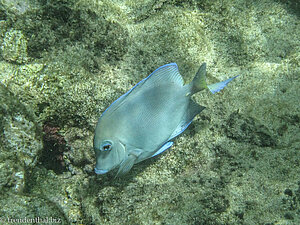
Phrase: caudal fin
pixel 199 82
pixel 219 86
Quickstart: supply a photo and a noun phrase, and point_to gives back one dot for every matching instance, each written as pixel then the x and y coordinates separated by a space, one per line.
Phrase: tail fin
pixel 199 82
pixel 219 86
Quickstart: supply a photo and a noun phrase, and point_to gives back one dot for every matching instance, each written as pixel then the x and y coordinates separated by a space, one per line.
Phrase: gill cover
pixel 109 155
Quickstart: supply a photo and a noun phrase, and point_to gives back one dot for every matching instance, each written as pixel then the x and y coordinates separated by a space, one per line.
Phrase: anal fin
pixel 163 148
pixel 192 111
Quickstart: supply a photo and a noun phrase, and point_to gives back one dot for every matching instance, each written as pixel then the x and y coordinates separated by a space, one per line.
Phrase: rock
pixel 21 141
pixel 29 210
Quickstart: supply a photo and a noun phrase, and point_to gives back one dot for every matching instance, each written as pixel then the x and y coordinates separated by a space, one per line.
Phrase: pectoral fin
pixel 127 163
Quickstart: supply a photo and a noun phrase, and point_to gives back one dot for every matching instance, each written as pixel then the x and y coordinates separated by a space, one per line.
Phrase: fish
pixel 143 122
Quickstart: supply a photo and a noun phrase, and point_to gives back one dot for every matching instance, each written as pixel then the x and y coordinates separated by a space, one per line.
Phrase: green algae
pixel 238 163
pixel 14 47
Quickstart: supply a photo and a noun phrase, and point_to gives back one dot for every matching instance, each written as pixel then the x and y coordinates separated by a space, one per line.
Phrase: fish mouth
pixel 99 171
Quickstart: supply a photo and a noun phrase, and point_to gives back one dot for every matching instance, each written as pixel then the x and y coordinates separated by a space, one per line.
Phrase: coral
pixel 54 147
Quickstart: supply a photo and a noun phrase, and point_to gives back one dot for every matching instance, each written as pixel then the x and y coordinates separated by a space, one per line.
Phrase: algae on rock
pixel 21 141
pixel 14 47
pixel 29 210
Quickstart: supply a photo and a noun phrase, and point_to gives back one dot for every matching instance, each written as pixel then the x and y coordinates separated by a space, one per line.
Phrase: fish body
pixel 142 122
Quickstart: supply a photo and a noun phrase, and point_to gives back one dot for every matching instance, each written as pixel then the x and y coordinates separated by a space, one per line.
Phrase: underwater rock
pixel 18 7
pixel 21 141
pixel 228 168
pixel 247 129
pixel 29 210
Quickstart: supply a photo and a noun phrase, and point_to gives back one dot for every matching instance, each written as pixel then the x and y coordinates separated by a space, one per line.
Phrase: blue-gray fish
pixel 142 122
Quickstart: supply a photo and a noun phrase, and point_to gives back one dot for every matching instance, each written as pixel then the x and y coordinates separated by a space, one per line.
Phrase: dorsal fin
pixel 165 73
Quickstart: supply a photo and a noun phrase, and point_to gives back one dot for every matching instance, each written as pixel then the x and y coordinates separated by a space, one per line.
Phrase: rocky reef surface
pixel 63 62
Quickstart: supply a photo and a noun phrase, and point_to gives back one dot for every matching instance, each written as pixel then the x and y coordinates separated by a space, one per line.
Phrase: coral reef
pixel 238 162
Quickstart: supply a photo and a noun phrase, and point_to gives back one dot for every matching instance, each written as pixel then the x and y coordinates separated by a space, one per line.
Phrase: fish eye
pixel 106 146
